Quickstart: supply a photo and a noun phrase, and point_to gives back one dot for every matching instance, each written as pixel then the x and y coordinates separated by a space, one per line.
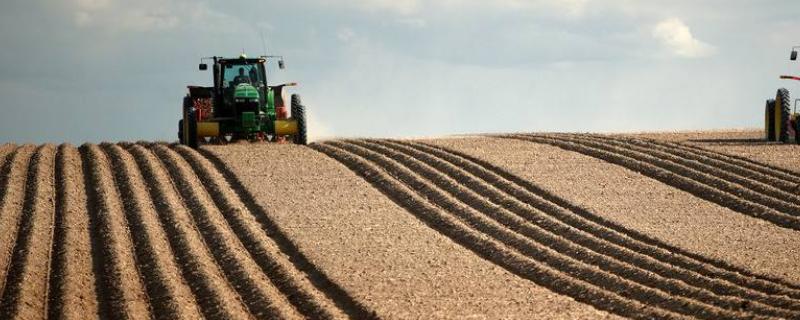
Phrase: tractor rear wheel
pixel 797 129
pixel 299 114
pixel 180 131
pixel 769 120
pixel 782 115
pixel 190 121
pixel 192 140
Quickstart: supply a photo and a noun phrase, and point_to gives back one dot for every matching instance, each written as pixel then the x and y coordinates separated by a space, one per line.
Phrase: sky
pixel 116 70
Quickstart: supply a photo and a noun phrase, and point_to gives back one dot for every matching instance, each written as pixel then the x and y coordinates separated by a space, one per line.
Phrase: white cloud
pixel 677 37
pixel 82 18
pixel 148 15
pixel 345 34
pixel 397 6
pixel 145 20
pixel 91 5
pixel 413 22
pixel 361 59
pixel 569 8
pixel 124 16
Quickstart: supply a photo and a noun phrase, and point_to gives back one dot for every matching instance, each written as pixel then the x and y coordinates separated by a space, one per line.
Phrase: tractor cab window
pixel 235 74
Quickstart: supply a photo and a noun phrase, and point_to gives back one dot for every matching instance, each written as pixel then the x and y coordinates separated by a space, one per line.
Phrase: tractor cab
pixel 241 106
pixel 241 86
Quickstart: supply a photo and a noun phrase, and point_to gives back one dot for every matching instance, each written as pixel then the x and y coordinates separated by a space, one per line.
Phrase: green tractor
pixel 241 106
pixel 780 123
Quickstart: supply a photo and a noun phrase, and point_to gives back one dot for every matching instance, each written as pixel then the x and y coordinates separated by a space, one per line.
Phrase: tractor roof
pixel 241 60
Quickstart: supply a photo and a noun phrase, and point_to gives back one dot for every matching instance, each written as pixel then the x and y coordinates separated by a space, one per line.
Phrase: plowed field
pixel 139 230
pixel 509 226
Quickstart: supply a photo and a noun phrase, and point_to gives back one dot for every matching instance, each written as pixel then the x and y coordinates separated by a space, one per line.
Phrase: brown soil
pixel 25 292
pixel 171 296
pixel 747 144
pixel 378 252
pixel 644 204
pixel 142 230
pixel 684 225
pixel 15 176
pixel 215 295
pixel 73 285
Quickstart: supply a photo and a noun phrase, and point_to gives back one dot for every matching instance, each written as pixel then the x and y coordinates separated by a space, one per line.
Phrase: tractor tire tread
pixel 299 114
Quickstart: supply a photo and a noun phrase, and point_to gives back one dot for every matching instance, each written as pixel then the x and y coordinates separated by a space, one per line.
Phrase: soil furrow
pixel 15 175
pixel 541 251
pixel 547 216
pixel 769 179
pixel 292 283
pixel 6 150
pixel 156 230
pixel 701 190
pixel 72 286
pixel 722 171
pixel 764 168
pixel 215 295
pixel 559 238
pixel 259 294
pixel 100 263
pixel 169 294
pixel 341 298
pixel 582 219
pixel 25 294
pixel 488 247
pixel 704 177
pixel 127 297
pixel 610 230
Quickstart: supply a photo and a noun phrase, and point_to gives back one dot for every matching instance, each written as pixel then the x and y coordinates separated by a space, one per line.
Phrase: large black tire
pixel 769 120
pixel 782 123
pixel 299 114
pixel 797 129
pixel 180 131
pixel 190 120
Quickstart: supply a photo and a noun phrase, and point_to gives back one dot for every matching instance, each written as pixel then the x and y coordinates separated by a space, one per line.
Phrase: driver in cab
pixel 241 78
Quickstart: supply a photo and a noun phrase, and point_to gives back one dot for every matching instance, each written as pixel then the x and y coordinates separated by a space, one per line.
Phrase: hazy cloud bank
pixel 91 70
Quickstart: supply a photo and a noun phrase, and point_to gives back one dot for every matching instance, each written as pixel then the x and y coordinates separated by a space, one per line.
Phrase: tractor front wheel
pixel 782 115
pixel 299 114
pixel 769 120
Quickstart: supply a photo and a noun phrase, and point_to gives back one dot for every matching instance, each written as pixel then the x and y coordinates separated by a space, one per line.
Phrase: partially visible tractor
pixel 781 123
pixel 241 106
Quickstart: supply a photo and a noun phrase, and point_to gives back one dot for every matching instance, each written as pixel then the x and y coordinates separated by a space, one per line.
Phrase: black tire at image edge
pixel 299 114
pixel 180 131
pixel 769 120
pixel 782 102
